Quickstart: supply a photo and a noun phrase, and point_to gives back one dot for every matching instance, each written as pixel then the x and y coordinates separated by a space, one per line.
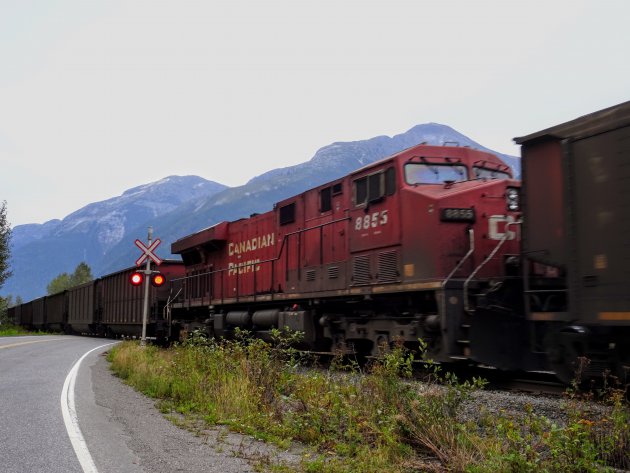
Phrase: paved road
pixel 121 429
pixel 33 435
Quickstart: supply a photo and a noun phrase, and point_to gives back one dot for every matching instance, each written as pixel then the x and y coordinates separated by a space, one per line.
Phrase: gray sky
pixel 100 96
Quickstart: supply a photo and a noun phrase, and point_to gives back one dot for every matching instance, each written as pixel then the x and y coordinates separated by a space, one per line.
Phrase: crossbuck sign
pixel 147 252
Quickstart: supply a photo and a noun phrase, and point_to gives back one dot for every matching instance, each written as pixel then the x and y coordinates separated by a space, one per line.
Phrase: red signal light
pixel 136 279
pixel 158 279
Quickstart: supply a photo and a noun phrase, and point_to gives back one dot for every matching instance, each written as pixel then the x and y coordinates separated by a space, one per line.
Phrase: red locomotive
pixel 397 250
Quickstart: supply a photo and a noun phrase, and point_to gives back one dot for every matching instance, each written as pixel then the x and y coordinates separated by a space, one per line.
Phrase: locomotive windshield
pixel 423 173
pixel 486 173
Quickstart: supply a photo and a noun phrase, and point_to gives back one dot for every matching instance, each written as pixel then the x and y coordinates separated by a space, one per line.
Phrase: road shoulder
pixel 128 423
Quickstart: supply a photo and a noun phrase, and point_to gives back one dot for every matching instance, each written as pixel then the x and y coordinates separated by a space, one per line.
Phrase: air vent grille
pixel 333 272
pixel 388 267
pixel 361 270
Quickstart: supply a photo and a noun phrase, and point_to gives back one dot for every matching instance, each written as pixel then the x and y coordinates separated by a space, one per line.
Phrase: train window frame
pixel 493 172
pixel 286 214
pixel 192 258
pixel 390 181
pixel 413 182
pixel 360 191
pixel 325 199
pixel 374 187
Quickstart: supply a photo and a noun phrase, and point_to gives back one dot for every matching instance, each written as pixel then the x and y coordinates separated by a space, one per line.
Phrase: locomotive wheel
pixel 565 356
pixel 623 372
pixel 623 364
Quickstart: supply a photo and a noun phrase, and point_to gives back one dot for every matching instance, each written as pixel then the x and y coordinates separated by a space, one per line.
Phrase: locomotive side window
pixel 390 181
pixel 360 191
pixel 374 187
pixel 287 214
pixel 423 173
pixel 486 173
pixel 325 199
pixel 191 258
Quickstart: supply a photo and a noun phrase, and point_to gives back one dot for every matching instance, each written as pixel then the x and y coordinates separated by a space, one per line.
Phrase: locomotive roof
pixel 582 127
pixel 217 232
pixel 461 151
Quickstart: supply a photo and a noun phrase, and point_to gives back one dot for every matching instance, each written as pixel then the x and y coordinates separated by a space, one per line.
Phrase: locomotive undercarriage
pixel 582 352
pixel 502 336
pixel 363 325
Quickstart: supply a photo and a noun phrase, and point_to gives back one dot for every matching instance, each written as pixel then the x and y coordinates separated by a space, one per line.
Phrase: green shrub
pixel 366 419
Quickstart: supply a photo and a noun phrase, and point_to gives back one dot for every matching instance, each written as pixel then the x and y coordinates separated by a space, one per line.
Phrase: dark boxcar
pixel 121 304
pixel 39 313
pixel 56 311
pixel 82 310
pixel 11 314
pixel 25 315
pixel 576 186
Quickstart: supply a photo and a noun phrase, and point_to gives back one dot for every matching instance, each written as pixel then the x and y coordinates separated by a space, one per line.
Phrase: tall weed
pixel 366 418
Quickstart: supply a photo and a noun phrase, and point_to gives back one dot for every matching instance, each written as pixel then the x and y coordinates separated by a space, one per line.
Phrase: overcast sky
pixel 100 96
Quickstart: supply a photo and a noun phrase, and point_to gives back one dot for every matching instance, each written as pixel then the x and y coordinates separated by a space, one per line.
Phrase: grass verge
pixel 368 420
pixel 9 330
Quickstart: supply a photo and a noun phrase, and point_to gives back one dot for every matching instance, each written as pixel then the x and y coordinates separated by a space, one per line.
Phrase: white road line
pixel 72 421
pixel 28 343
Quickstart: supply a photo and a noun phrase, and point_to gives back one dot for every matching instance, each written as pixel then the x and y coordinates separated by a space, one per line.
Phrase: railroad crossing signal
pixel 157 279
pixel 148 252
pixel 136 278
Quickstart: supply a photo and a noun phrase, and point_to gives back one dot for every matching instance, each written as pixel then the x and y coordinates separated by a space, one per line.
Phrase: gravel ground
pixel 515 404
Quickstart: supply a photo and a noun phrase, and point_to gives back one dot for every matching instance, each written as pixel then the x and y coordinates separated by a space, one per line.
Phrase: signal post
pixel 156 278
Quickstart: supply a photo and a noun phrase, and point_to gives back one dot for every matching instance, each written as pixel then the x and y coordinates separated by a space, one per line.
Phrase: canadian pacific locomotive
pixel 438 243
pixel 396 251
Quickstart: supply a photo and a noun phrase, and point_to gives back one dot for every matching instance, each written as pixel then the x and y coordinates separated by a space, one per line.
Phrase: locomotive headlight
pixel 512 198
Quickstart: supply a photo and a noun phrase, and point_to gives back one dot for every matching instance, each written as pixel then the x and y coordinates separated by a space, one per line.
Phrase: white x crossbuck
pixel 147 252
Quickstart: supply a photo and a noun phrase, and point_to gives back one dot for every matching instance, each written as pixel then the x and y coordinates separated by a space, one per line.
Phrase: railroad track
pixel 537 383
pixel 531 383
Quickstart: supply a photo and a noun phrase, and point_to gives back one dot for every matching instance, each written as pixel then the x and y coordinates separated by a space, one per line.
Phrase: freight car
pixel 56 309
pixel 569 311
pixel 106 306
pixel 575 242
pixel 395 251
pixel 120 304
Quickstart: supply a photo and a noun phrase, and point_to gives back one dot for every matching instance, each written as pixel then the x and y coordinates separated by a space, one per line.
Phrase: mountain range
pixel 102 233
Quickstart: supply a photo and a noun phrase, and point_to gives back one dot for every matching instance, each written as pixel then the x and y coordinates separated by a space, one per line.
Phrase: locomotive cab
pixel 431 243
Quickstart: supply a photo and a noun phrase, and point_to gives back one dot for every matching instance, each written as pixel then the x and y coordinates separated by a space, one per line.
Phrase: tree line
pixel 81 274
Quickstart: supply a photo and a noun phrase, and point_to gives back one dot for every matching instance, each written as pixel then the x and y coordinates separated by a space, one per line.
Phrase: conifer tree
pixel 5 240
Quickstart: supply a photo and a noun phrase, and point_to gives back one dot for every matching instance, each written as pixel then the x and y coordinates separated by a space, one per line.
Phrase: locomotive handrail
pixel 483 263
pixel 256 263
pixel 471 250
pixel 166 312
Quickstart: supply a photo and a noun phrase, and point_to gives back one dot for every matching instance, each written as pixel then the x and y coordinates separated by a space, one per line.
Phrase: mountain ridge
pixel 102 233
